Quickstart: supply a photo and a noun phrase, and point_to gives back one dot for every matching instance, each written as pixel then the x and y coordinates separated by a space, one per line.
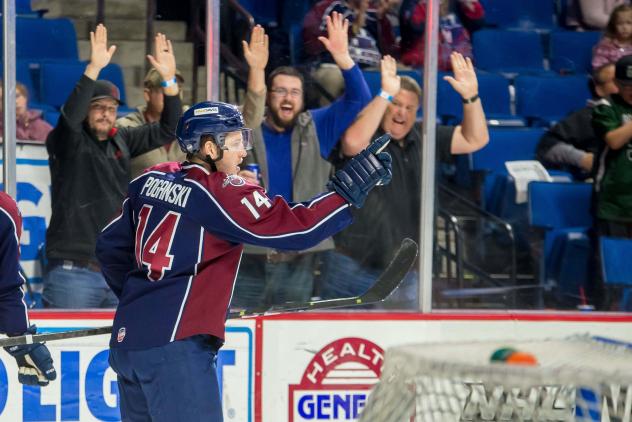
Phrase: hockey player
pixel 172 256
pixel 35 364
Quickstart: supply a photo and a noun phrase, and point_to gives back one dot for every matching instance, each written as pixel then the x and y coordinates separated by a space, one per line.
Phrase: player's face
pixel 285 100
pixel 233 155
pixel 400 114
pixel 101 116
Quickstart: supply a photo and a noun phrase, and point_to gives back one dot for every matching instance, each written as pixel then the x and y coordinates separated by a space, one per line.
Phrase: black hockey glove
pixel 363 172
pixel 35 364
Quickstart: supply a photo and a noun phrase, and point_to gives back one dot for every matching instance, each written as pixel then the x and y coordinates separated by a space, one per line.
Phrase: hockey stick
pixel 381 289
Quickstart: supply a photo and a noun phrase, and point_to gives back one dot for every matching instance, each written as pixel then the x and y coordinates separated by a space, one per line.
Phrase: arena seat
pixel 57 79
pixel 506 145
pixel 494 92
pixel 522 14
pixel 46 39
pixel 264 12
pixel 562 211
pixel 545 100
pixel 571 51
pixel 616 267
pixel 506 51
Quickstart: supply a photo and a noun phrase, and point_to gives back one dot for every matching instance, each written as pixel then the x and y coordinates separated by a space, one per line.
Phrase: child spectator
pixel 617 39
pixel 571 144
pixel 457 19
pixel 29 123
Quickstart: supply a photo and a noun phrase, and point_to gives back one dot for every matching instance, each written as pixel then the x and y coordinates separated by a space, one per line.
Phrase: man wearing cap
pixel 150 113
pixel 90 167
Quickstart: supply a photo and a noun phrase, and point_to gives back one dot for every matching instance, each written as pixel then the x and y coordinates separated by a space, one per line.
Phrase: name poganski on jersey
pixel 164 190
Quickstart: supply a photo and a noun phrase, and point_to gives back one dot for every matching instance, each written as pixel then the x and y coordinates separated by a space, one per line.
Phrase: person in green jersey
pixel 612 121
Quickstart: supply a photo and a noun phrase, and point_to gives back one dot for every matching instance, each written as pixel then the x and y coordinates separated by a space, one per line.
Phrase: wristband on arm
pixel 388 97
pixel 168 83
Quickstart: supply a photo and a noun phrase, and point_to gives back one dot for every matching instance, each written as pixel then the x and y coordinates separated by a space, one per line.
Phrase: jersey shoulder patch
pixel 233 180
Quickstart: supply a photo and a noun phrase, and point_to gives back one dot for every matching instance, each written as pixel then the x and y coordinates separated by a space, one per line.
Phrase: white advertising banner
pixel 321 368
pixel 34 201
pixel 86 390
pixel 297 367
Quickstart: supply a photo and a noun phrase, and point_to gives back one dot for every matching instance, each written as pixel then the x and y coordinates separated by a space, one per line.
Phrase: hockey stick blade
pixel 381 289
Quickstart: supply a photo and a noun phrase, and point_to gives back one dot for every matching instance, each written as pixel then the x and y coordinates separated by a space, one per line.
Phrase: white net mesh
pixel 576 379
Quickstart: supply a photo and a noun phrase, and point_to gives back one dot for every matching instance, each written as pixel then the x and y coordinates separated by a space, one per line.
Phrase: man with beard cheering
pixel 292 147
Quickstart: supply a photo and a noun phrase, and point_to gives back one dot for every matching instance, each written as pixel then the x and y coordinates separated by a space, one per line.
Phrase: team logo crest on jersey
pixel 120 336
pixel 233 180
pixel 337 381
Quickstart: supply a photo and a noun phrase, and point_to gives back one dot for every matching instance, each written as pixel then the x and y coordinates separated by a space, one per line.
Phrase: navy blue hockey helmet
pixel 216 119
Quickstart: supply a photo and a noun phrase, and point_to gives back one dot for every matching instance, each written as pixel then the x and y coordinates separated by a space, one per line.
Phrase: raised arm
pixel 333 120
pixel 358 135
pixel 337 40
pixel 164 61
pixel 75 109
pixel 472 134
pixel 100 53
pixel 256 53
pixel 144 138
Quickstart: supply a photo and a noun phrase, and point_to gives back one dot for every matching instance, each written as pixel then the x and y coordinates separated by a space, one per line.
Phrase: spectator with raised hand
pixel 35 364
pixel 617 39
pixel 150 112
pixel 370 36
pixel 292 148
pixel 572 144
pixel 89 162
pixel 391 213
pixel 458 19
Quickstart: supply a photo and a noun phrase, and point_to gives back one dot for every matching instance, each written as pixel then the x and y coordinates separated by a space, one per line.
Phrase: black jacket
pixel 89 177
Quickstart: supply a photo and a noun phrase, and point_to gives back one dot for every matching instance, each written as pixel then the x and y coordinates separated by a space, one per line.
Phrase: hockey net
pixel 580 378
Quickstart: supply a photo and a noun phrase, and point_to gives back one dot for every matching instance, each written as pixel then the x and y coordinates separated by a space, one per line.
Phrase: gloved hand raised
pixel 363 172
pixel 35 364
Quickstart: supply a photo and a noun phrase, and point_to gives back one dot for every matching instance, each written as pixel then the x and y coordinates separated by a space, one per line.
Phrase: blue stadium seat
pixel 52 117
pixel 616 267
pixel 23 8
pixel 57 79
pixel 494 92
pixel 498 50
pixel 506 145
pixel 43 39
pixel 293 13
pixel 547 99
pixel 522 14
pixel 563 212
pixel 571 51
pixel 264 12
pixel 295 34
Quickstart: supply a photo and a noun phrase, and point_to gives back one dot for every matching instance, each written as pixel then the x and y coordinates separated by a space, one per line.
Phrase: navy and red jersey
pixel 13 312
pixel 173 254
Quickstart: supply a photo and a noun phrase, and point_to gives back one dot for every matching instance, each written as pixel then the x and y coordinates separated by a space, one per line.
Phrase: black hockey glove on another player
pixel 35 364
pixel 363 172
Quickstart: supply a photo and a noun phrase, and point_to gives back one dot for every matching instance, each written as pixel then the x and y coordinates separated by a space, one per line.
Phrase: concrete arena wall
pixel 295 367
